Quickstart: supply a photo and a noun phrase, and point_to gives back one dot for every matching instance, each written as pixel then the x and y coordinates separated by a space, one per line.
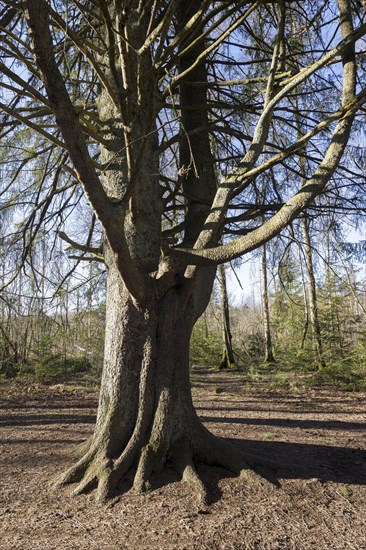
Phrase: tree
pixel 227 357
pixel 123 99
pixel 268 354
pixel 312 294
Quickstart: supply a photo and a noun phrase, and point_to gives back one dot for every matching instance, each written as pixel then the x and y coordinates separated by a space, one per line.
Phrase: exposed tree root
pixel 145 469
pixel 81 449
pixel 76 472
pixel 182 460
pixel 95 470
pixel 252 469
pixel 88 483
pixel 191 477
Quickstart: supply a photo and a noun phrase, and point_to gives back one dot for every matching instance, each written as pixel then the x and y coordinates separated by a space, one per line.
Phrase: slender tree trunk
pixel 306 305
pixel 311 284
pixel 268 354
pixel 312 295
pixel 227 359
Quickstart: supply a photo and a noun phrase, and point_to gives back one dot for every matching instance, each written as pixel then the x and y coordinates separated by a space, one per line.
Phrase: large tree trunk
pixel 146 417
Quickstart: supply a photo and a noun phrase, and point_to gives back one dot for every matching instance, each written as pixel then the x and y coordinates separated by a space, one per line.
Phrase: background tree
pixel 118 103
pixel 227 356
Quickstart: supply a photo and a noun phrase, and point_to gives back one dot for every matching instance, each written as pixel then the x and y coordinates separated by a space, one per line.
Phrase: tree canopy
pixel 239 91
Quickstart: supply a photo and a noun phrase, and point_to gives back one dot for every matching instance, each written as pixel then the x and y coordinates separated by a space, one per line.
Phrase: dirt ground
pixel 322 506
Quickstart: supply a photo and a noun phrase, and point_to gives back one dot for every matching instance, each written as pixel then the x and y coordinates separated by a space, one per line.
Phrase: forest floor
pixel 322 431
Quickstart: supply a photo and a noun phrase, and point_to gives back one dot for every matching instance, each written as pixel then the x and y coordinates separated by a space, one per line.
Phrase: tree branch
pixel 78 246
pixel 111 215
pixel 314 186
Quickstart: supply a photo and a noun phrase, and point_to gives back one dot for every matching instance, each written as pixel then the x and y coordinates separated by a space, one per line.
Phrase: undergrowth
pixel 346 374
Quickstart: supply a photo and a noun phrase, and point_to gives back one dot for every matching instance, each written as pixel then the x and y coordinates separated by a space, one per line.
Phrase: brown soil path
pixel 321 506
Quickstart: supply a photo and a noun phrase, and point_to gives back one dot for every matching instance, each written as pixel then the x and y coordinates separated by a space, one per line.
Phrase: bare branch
pixel 314 186
pixel 78 246
pixel 110 214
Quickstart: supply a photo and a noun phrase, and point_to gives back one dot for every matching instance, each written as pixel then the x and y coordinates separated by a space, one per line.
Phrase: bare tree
pixel 227 358
pixel 123 100
pixel 312 293
pixel 268 352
